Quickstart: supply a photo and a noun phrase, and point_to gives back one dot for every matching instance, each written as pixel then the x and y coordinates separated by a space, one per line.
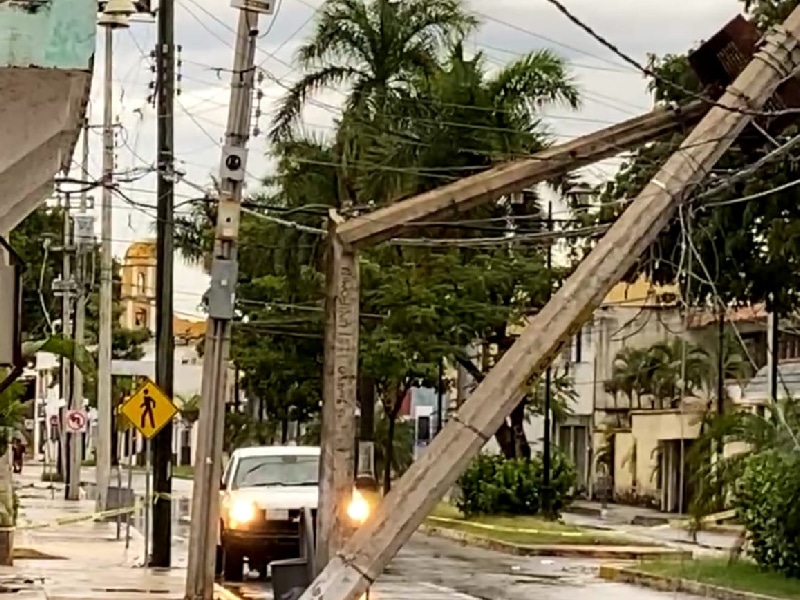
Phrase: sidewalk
pixel 84 560
pixel 652 526
pixel 81 559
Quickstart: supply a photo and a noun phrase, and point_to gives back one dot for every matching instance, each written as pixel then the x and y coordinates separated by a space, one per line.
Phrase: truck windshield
pixel 288 470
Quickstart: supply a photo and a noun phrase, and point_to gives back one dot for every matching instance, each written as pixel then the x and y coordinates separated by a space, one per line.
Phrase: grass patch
pixel 183 471
pixel 525 530
pixel 178 471
pixel 741 576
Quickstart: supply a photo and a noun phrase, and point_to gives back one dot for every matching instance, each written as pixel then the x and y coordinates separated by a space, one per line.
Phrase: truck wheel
pixel 233 562
pixel 218 562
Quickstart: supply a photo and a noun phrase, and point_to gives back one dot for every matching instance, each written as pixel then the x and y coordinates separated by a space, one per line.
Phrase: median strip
pixel 534 536
pixel 713 578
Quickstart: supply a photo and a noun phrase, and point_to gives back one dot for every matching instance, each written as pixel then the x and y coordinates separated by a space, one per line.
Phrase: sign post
pixel 148 409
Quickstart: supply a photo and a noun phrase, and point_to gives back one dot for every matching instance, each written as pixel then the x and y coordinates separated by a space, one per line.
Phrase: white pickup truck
pixel 263 492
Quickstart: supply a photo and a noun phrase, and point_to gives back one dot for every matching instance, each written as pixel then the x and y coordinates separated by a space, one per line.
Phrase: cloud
pixel 205 29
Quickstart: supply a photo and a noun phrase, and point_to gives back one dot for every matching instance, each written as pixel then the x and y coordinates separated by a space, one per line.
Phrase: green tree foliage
pixel 43 266
pixel 494 485
pixel 419 113
pixel 747 250
pixel 401 441
pixel 765 503
pixel 663 371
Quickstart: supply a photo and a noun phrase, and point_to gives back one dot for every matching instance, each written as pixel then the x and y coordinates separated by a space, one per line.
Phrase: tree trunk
pixel 389 455
pixel 284 431
pixel 366 400
pixel 511 438
pixel 505 439
pixel 521 447
pixel 7 520
pixel 392 415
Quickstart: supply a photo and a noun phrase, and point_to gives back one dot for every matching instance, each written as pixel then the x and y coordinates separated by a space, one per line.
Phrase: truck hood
pixel 279 497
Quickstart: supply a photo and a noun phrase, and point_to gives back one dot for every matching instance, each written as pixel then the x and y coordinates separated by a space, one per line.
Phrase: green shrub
pixel 493 485
pixel 766 503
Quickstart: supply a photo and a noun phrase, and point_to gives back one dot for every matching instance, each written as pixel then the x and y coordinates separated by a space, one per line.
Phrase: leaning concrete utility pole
pixel 367 553
pixel 342 296
pixel 106 290
pixel 220 305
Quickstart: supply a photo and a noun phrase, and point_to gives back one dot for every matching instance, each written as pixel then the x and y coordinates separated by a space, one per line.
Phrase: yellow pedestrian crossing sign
pixel 149 409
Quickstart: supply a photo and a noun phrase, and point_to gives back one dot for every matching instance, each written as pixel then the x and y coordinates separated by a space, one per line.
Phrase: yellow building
pixel 138 281
pixel 138 294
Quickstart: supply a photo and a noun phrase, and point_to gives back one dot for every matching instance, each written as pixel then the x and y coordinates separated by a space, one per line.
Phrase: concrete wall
pixel 49 34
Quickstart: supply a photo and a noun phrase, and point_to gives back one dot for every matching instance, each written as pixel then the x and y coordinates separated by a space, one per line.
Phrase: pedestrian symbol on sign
pixel 149 409
pixel 148 406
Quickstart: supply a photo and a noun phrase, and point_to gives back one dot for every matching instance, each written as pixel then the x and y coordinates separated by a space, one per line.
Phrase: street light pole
pixel 115 16
pixel 106 292
pixel 548 376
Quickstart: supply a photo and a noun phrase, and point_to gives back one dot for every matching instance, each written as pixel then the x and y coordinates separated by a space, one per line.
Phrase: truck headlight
pixel 358 509
pixel 242 512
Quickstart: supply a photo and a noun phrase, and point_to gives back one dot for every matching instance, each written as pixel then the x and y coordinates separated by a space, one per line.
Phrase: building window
pixel 577 344
pixel 788 347
pixel 140 318
pixel 141 284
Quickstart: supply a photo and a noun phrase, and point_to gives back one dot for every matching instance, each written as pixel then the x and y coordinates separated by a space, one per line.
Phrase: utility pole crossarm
pixel 365 556
pixel 466 193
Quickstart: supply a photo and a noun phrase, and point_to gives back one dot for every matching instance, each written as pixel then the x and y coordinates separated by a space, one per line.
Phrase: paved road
pixel 444 570
pixel 441 570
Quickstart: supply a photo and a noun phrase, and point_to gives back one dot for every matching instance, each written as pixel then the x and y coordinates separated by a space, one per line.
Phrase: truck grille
pixel 284 527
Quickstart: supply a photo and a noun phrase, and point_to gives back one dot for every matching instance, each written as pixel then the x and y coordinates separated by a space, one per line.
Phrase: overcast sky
pixel 612 90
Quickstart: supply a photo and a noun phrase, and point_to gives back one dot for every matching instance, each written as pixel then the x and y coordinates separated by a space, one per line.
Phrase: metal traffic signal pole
pixel 350 572
pixel 220 305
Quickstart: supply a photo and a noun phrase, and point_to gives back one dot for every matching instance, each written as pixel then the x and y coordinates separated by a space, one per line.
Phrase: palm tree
pixel 460 119
pixel 189 408
pixel 372 48
pixel 666 371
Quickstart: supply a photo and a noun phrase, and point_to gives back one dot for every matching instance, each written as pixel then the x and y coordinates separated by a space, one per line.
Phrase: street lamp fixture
pixel 120 7
pixel 113 21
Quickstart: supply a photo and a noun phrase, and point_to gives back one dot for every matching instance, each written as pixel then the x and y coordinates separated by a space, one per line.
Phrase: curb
pixel 221 593
pixel 564 551
pixel 28 553
pixel 664 583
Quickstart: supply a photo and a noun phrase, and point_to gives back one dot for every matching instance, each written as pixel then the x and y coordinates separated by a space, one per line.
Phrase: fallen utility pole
pixel 472 191
pixel 220 305
pixel 364 557
pixel 342 316
pixel 165 261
